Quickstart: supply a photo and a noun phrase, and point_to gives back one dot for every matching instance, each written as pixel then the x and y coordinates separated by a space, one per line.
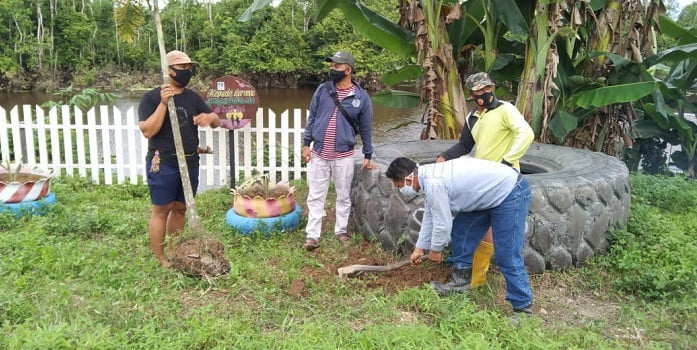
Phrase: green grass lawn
pixel 83 277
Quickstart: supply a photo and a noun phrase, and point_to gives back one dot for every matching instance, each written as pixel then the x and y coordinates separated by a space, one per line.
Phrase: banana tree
pixel 668 111
pixel 626 29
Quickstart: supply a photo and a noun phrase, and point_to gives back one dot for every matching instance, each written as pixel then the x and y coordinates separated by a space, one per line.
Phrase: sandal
pixel 343 239
pixel 310 244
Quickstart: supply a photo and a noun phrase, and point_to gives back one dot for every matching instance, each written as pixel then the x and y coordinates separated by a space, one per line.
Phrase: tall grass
pixel 83 277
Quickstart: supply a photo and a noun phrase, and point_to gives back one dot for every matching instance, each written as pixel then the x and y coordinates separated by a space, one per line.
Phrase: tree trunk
pixel 442 88
pixel 21 38
pixel 535 96
pixel 39 35
pixel 118 50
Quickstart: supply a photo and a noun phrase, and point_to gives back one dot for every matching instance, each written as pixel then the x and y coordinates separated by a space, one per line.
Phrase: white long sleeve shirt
pixel 459 185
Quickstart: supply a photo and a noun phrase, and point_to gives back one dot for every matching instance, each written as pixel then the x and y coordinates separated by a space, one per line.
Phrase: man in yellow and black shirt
pixel 497 132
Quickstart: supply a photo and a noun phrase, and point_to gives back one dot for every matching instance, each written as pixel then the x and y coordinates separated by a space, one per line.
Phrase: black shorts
pixel 166 185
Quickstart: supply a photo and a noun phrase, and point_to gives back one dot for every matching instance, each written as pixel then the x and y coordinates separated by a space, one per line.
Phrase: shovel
pixel 351 270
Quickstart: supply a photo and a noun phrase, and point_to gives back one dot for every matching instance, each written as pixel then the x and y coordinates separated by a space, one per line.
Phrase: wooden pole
pixel 192 214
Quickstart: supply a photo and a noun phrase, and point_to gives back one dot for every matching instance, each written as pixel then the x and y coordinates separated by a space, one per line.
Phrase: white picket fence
pixel 106 145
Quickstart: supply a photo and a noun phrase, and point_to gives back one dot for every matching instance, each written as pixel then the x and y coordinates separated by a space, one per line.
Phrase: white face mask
pixel 408 191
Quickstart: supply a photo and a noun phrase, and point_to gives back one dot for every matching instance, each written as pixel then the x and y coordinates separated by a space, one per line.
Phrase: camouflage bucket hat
pixel 478 81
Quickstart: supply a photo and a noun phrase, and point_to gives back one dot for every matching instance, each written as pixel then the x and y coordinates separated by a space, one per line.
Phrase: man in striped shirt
pixel 339 110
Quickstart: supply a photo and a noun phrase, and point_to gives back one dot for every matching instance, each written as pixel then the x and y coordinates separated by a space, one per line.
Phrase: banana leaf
pixel 397 99
pixel 402 73
pixel 379 29
pixel 255 6
pixel 562 123
pixel 647 128
pixel 675 31
pixel 460 31
pixel 677 53
pixel 324 7
pixel 609 95
pixel 509 13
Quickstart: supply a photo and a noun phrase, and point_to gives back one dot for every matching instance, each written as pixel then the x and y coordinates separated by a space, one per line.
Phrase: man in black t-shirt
pixel 164 179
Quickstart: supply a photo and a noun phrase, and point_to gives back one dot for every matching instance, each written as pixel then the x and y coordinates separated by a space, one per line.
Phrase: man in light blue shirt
pixel 462 198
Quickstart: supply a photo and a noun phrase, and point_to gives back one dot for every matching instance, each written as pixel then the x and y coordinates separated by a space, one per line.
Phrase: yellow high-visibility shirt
pixel 502 134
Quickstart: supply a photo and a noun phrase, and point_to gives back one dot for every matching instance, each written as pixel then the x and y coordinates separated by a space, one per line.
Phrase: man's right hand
pixel 306 154
pixel 440 159
pixel 166 92
pixel 416 255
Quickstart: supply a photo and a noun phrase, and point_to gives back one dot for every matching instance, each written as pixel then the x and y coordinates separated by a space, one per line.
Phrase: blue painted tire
pixel 266 225
pixel 38 207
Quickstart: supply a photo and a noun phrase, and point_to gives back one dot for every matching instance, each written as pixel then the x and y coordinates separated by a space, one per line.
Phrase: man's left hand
pixel 436 257
pixel 367 165
pixel 206 119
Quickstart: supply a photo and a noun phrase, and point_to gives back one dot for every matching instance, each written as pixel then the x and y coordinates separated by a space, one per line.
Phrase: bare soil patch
pixel 558 303
pixel 200 257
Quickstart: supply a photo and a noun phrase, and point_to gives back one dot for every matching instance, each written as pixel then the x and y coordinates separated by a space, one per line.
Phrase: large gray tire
pixel 577 196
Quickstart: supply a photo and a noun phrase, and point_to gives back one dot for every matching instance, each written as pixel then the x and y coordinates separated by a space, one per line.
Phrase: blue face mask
pixel 408 191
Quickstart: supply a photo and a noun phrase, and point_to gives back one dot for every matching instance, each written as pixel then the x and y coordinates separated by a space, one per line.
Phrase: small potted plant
pixel 259 204
pixel 24 188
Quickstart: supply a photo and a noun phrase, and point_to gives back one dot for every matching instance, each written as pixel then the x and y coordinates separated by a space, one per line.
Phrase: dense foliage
pixel 73 39
pixel 655 257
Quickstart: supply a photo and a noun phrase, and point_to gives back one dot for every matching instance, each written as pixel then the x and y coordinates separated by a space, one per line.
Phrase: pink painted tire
pixel 23 192
pixel 259 207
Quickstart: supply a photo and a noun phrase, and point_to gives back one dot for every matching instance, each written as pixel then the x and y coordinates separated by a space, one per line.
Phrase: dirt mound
pixel 200 257
pixel 364 253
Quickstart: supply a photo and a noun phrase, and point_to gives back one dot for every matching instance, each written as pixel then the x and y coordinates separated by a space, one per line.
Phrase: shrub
pixel 673 194
pixel 655 257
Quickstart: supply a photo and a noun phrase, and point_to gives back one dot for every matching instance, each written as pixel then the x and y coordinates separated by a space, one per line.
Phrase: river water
pixel 389 124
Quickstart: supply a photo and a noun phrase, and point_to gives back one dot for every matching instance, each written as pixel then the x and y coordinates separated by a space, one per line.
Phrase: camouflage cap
pixel 478 81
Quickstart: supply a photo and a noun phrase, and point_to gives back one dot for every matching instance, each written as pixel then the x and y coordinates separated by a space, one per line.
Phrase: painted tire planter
pixel 258 207
pixel 24 191
pixel 247 225
pixel 37 207
pixel 577 197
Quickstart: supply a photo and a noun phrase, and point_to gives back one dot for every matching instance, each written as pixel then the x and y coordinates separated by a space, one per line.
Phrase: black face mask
pixel 183 76
pixel 337 75
pixel 486 99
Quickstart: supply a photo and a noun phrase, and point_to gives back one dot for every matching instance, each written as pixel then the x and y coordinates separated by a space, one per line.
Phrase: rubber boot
pixel 480 263
pixel 459 282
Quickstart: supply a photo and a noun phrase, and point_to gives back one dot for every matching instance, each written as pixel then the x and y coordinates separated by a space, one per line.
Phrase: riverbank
pixel 115 79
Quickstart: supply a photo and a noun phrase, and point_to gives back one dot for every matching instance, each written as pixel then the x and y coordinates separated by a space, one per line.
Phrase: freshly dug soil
pixel 364 253
pixel 200 257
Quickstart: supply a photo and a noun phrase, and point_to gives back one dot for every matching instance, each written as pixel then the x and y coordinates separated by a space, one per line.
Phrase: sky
pixel 683 3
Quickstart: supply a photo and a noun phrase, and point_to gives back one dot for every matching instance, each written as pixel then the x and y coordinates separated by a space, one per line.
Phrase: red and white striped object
pixel 16 192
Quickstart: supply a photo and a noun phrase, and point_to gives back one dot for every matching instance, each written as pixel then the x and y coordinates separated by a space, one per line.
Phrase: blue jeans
pixel 507 221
